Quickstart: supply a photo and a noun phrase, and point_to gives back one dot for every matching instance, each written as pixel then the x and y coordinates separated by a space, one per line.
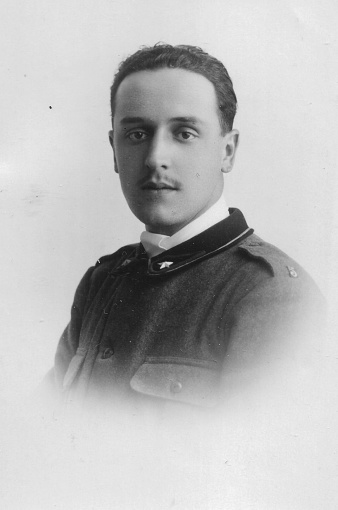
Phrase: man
pixel 201 308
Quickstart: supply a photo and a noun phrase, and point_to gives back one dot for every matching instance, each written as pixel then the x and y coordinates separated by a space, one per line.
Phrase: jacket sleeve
pixel 276 334
pixel 69 340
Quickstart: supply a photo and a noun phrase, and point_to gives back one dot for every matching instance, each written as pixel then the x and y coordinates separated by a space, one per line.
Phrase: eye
pixel 137 136
pixel 185 135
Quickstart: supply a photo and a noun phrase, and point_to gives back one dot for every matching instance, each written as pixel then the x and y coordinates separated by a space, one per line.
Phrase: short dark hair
pixel 187 57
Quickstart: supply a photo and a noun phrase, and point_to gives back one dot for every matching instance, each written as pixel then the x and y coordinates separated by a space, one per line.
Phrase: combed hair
pixel 190 58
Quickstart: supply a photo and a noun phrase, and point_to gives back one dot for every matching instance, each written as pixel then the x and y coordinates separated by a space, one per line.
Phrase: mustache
pixel 157 184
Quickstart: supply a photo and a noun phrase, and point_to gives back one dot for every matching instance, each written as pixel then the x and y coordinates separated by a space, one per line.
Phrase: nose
pixel 158 156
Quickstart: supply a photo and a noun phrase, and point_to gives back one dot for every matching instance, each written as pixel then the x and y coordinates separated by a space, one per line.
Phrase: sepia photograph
pixel 168 192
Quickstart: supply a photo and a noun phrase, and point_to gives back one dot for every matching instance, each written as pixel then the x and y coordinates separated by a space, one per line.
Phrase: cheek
pixel 124 160
pixel 203 180
pixel 125 153
pixel 203 168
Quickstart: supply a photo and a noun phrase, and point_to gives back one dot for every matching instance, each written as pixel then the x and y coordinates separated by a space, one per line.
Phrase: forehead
pixel 174 92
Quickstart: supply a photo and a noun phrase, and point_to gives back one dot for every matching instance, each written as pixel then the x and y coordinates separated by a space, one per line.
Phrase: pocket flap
pixel 194 383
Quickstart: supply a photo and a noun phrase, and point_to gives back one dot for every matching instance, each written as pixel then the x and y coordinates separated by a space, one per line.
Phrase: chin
pixel 161 226
pixel 158 221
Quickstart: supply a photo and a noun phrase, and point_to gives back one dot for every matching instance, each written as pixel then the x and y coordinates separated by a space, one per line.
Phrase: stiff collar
pixel 220 237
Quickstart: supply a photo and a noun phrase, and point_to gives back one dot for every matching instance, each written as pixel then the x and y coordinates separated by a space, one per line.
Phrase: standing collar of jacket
pixel 219 237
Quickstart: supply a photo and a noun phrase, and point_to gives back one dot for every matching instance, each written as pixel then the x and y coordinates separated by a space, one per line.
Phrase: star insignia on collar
pixel 163 265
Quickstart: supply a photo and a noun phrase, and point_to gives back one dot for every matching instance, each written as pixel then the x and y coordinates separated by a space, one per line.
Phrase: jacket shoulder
pixel 97 274
pixel 274 260
pixel 108 261
pixel 285 283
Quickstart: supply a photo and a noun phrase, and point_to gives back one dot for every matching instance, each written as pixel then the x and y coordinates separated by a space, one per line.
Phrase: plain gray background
pixel 60 202
pixel 61 208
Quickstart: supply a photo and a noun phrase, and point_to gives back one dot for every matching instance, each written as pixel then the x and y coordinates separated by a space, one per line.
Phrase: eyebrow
pixel 131 120
pixel 135 120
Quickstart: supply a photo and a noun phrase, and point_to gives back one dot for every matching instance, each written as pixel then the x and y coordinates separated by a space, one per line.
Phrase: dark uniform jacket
pixel 191 325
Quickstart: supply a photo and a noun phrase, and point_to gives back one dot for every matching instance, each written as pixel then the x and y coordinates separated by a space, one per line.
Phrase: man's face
pixel 168 146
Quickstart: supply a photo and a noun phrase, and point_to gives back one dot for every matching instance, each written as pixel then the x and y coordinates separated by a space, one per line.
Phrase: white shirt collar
pixel 154 244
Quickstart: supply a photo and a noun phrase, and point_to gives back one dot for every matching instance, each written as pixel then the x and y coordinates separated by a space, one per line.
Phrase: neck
pixel 156 242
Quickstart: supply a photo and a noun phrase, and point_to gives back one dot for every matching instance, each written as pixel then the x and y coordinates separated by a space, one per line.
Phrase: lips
pixel 157 186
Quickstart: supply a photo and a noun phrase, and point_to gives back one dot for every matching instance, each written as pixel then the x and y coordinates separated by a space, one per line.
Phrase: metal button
pixel 292 272
pixel 107 353
pixel 175 387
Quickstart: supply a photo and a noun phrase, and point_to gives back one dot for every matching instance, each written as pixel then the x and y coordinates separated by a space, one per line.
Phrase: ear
pixel 231 140
pixel 111 141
